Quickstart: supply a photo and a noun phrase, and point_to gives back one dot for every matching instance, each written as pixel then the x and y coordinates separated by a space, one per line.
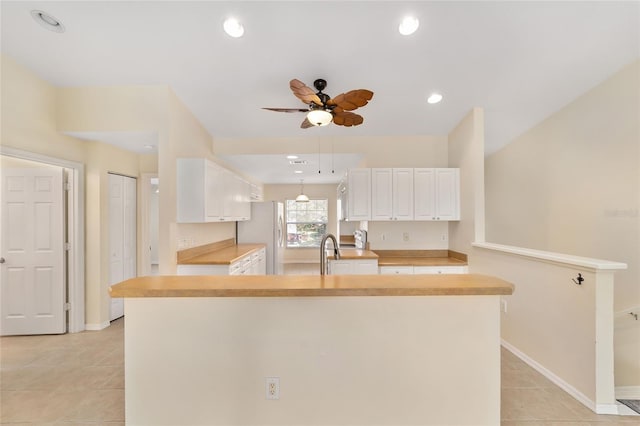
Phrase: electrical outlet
pixel 444 238
pixel 405 236
pixel 273 387
pixel 382 237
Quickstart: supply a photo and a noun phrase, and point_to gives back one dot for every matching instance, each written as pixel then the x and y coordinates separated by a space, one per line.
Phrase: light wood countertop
pixel 352 253
pixel 420 261
pixel 223 256
pixel 311 285
pixel 420 258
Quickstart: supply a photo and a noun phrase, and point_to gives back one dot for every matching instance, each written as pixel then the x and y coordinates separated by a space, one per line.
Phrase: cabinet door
pixel 340 267
pixel 439 269
pixel 214 190
pixel 424 194
pixel 447 194
pixel 190 190
pixel 365 267
pixel 359 193
pixel 245 201
pixel 382 194
pixel 396 270
pixel 402 193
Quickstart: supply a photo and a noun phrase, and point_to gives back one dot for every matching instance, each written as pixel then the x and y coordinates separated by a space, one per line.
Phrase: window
pixel 306 222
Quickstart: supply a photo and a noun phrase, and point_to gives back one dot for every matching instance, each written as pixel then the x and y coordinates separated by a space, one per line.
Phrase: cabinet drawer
pixel 439 269
pixel 396 270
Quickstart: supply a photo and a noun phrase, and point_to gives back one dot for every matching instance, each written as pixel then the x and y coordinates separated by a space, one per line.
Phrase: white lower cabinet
pixel 396 270
pixel 353 267
pixel 251 264
pixel 419 270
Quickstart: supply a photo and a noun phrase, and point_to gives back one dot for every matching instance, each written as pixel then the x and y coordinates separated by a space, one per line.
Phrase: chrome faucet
pixel 323 252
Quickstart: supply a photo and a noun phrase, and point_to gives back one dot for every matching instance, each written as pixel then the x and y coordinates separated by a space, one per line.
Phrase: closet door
pixel 122 235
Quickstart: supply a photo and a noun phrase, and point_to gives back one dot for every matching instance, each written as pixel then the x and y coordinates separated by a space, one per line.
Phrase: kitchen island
pixel 357 350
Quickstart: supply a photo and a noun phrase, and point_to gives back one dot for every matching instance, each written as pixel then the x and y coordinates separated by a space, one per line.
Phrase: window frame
pixel 295 244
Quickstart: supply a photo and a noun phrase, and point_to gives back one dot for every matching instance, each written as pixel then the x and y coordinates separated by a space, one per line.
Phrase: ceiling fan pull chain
pixel 332 168
pixel 318 156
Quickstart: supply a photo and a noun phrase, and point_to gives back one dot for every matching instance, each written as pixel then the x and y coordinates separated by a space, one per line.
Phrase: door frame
pixel 75 229
pixel 144 198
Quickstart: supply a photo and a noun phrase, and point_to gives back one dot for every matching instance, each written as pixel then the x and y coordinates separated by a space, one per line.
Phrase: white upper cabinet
pixel 424 195
pixel 385 194
pixel 381 194
pixel 402 194
pixel 437 194
pixel 392 194
pixel 207 192
pixel 358 194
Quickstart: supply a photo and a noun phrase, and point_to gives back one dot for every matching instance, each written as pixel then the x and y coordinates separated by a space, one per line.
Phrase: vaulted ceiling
pixel 520 61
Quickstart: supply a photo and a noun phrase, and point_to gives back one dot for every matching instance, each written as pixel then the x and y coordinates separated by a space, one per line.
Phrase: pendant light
pixel 302 198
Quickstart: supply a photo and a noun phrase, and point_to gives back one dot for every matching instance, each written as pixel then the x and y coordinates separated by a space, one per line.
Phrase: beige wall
pixel 28 115
pixel 466 151
pixel 186 138
pixel 395 151
pixel 554 324
pixel 572 185
pixel 35 114
pixel 341 360
pixel 101 159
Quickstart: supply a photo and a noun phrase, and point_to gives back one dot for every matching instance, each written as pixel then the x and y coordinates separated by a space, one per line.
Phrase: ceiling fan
pixel 322 109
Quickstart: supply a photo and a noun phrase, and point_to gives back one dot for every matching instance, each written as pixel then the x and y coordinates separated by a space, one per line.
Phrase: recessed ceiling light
pixel 297 172
pixel 409 25
pixel 233 27
pixel 47 21
pixel 292 157
pixel 434 98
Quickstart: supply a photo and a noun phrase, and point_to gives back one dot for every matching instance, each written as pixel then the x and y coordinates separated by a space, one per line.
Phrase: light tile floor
pixel 79 379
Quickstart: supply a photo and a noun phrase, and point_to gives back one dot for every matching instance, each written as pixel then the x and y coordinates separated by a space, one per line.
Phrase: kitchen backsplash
pixel 408 235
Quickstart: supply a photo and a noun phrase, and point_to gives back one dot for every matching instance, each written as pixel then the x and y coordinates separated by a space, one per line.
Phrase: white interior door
pixel 32 268
pixel 122 235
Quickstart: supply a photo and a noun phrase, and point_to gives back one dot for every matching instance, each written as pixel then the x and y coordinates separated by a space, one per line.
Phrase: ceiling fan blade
pixel 287 109
pixel 347 119
pixel 352 100
pixel 306 124
pixel 304 93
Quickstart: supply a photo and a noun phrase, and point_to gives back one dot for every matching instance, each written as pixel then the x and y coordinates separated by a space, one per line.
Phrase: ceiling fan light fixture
pixel 319 117
pixel 233 27
pixel 434 98
pixel 409 25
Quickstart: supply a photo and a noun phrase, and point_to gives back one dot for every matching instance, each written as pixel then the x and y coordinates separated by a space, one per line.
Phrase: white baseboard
pixel 97 327
pixel 575 393
pixel 627 392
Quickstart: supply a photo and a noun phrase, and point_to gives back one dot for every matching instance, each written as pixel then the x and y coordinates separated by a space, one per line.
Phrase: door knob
pixel 2 260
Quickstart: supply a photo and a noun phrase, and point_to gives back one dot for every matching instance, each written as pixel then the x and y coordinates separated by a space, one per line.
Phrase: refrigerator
pixel 267 227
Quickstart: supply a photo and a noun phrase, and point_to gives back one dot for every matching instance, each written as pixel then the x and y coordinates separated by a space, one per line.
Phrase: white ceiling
pixel 520 61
